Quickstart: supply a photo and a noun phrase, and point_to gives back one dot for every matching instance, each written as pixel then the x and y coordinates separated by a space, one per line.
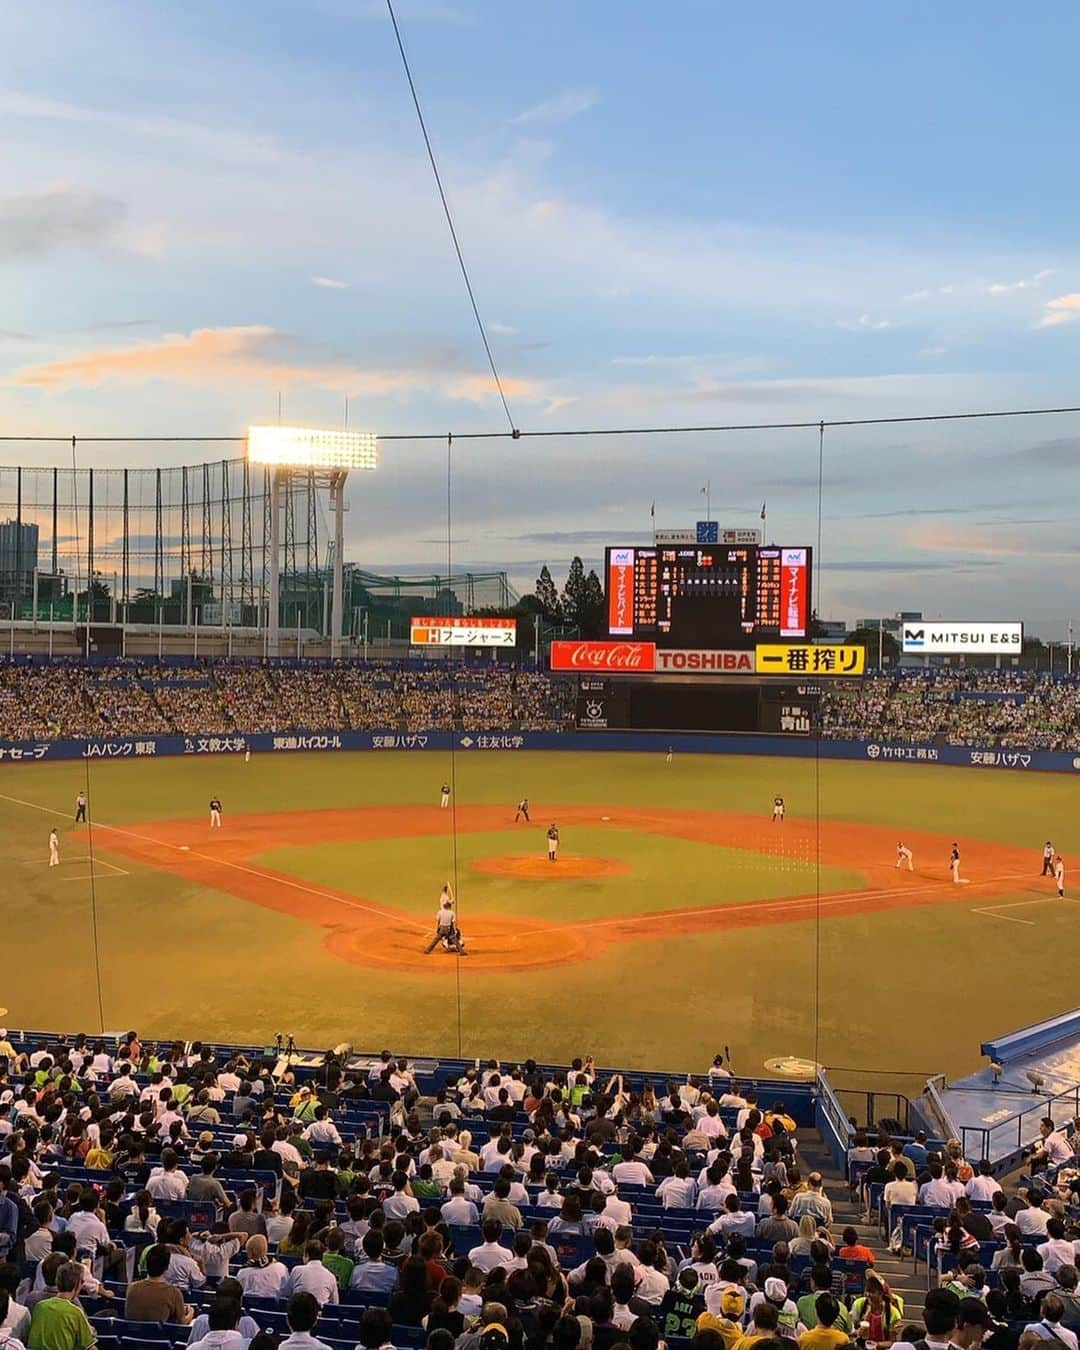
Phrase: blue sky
pixel 694 213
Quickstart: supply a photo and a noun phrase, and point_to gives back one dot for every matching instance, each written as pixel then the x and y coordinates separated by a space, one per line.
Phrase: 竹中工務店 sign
pixel 463 632
pixel 957 639
pixel 807 658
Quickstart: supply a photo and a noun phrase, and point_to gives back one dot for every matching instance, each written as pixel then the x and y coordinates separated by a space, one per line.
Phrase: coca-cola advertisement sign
pixel 629 657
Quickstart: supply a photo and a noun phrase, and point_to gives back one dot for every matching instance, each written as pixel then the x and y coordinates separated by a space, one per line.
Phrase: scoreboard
pixel 712 596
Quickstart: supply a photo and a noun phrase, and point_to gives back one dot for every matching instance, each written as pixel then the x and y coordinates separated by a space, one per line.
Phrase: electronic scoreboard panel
pixel 708 595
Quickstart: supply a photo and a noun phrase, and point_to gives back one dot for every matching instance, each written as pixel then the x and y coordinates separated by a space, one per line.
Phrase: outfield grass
pixel 900 989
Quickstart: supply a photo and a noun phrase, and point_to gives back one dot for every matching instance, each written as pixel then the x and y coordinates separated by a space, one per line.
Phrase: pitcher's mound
pixel 535 867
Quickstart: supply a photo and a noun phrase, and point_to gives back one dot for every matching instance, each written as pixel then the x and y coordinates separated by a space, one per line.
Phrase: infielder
pixel 954 863
pixel 903 856
pixel 1048 859
pixel 80 808
pixel 552 842
pixel 778 809
pixel 522 810
pixel 1059 875
pixel 444 796
pixel 215 813
pixel 54 849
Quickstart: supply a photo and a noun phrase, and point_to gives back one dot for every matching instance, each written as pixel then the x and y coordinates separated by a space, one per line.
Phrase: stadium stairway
pixel 903 1278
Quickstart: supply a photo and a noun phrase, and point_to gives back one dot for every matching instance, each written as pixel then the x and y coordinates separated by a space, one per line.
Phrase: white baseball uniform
pixel 54 849
pixel 903 856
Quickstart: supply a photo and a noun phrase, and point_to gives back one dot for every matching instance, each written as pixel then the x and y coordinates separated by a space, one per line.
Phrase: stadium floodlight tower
pixel 330 455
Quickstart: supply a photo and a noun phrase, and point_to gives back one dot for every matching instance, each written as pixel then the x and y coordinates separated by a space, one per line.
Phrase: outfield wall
pixel 642 742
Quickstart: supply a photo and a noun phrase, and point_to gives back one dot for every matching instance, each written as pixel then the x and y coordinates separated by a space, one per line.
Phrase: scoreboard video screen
pixel 708 595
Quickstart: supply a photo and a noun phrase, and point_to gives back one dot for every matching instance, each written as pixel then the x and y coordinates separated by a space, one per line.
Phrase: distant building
pixel 890 623
pixel 18 559
pixel 832 630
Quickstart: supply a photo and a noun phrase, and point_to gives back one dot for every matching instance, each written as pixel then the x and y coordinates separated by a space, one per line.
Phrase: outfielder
pixel 54 849
pixel 552 842
pixel 215 813
pixel 444 796
pixel 522 810
pixel 668 756
pixel 903 856
pixel 1059 875
pixel 778 809
pixel 80 809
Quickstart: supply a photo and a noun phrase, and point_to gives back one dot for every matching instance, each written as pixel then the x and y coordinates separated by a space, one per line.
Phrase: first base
pixel 184 848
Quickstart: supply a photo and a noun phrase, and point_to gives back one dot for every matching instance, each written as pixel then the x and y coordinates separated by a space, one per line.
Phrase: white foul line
pixel 991 910
pixel 224 862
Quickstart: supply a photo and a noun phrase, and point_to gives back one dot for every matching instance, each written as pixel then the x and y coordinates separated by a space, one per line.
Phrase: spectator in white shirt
pixel 490 1253
pixel 631 1171
pixel 1057 1250
pixel 710 1124
pixel 678 1191
pixel 168 1182
pixel 262 1277
pixel 313 1277
pixel 813 1201
pixel 402 1202
pixel 91 1235
pixel 982 1185
pixel 322 1130
pixel 734 1219
pixel 937 1191
pixel 302 1315
pixel 1055 1149
pixel 457 1211
pixel 1032 1218
pixel 902 1189
pixel 1049 1327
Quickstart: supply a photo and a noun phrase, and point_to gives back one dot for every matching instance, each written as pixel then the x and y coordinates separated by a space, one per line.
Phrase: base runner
pixel 552 841
pixel 904 857
pixel 778 809
pixel 54 849
pixel 215 813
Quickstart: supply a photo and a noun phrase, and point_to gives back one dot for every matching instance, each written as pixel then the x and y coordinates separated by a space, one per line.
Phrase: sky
pixel 690 214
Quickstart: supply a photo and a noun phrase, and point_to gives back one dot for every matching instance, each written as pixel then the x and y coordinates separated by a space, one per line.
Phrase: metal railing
pixel 1010 1136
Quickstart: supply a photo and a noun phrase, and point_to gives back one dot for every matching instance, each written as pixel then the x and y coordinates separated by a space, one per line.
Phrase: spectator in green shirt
pixel 57 1323
pixel 334 1258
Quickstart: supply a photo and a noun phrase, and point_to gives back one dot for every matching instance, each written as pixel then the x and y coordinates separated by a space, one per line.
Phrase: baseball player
pixel 954 863
pixel 552 841
pixel 247 754
pixel 778 809
pixel 215 813
pixel 1048 859
pixel 54 849
pixel 447 933
pixel 522 810
pixel 903 856
pixel 668 756
pixel 80 808
pixel 444 796
pixel 1059 875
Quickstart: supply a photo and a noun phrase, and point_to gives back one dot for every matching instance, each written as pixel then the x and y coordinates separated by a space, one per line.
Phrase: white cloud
pixel 1064 309
pixel 1023 284
pixel 865 323
pixel 503 329
pixel 559 108
pixel 331 283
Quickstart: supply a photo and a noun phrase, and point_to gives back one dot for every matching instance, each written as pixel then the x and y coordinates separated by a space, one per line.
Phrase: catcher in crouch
pixel 447 932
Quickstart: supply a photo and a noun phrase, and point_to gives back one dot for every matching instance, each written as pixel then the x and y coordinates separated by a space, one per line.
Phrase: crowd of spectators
pixel 951 707
pixel 507 1209
pixel 58 700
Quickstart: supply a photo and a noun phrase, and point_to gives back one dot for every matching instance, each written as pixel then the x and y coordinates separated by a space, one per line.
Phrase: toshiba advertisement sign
pixel 960 639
